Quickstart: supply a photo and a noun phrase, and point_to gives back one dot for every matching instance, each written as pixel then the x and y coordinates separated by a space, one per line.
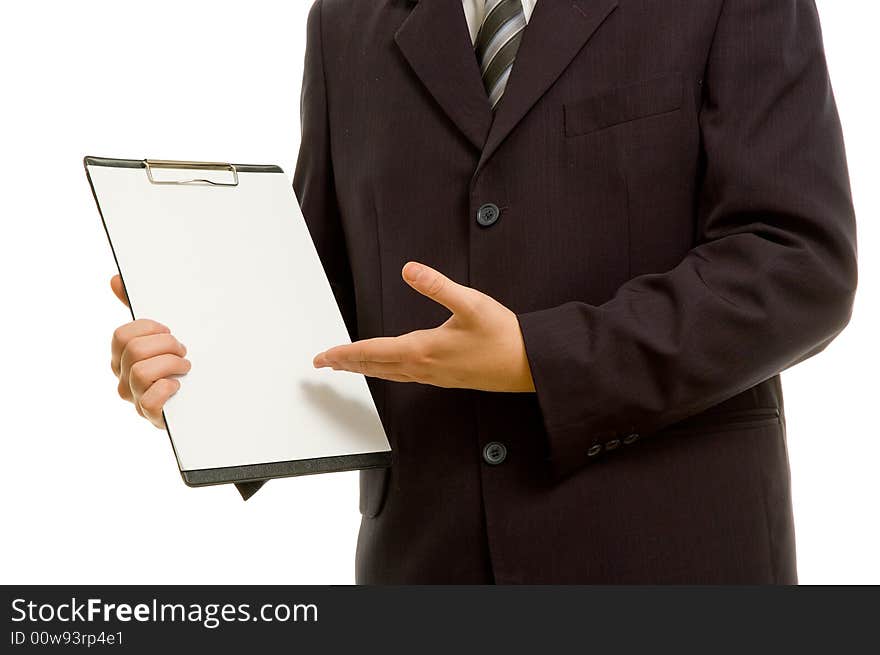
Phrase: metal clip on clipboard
pixel 150 164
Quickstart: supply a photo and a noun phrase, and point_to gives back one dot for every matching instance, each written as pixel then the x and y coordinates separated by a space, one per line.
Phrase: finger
pixel 145 372
pixel 392 377
pixel 381 349
pixel 153 401
pixel 119 289
pixel 125 333
pixel 392 372
pixel 151 345
pixel 455 297
pixel 373 369
pixel 123 388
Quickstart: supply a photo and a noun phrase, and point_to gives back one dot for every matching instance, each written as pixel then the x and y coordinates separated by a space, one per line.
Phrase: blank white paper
pixel 233 273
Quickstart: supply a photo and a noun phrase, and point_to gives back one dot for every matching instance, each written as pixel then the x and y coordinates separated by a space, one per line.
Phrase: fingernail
pixel 411 271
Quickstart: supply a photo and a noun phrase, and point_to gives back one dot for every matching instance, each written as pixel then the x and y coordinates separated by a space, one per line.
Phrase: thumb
pixel 119 289
pixel 457 298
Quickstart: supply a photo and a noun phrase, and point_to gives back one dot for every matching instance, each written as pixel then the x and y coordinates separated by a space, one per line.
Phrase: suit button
pixel 594 450
pixel 630 438
pixel 488 215
pixel 611 445
pixel 494 453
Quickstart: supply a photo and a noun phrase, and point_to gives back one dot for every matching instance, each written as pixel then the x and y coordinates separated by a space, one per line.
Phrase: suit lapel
pixel 435 41
pixel 557 30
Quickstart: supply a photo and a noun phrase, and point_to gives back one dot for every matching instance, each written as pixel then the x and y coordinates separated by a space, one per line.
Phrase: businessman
pixel 574 242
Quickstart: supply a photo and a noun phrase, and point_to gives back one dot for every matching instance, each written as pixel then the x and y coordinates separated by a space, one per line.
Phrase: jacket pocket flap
pixel 657 95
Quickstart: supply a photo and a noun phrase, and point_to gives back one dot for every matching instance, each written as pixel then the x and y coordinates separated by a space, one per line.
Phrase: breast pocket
pixel 657 95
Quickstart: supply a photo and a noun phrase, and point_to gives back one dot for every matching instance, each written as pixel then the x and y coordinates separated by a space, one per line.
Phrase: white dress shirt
pixel 474 12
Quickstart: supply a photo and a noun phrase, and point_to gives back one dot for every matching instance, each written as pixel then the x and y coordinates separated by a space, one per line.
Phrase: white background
pixel 90 492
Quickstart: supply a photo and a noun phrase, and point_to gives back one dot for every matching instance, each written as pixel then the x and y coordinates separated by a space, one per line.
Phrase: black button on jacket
pixel 488 214
pixel 677 229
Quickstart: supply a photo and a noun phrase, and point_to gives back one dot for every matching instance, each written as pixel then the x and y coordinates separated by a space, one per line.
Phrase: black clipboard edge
pixel 259 472
pixel 89 160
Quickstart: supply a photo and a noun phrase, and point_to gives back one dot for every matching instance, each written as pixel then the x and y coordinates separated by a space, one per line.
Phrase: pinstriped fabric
pixel 497 43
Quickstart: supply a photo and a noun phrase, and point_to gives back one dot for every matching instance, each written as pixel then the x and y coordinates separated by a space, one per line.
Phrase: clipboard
pixel 220 253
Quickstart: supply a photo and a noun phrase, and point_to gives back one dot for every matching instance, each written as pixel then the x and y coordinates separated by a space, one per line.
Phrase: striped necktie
pixel 497 42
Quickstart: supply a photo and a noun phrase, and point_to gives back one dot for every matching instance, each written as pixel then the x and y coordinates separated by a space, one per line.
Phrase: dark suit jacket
pixel 676 229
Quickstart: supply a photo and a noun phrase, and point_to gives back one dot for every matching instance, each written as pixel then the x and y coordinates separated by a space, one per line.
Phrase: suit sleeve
pixel 313 183
pixel 771 278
